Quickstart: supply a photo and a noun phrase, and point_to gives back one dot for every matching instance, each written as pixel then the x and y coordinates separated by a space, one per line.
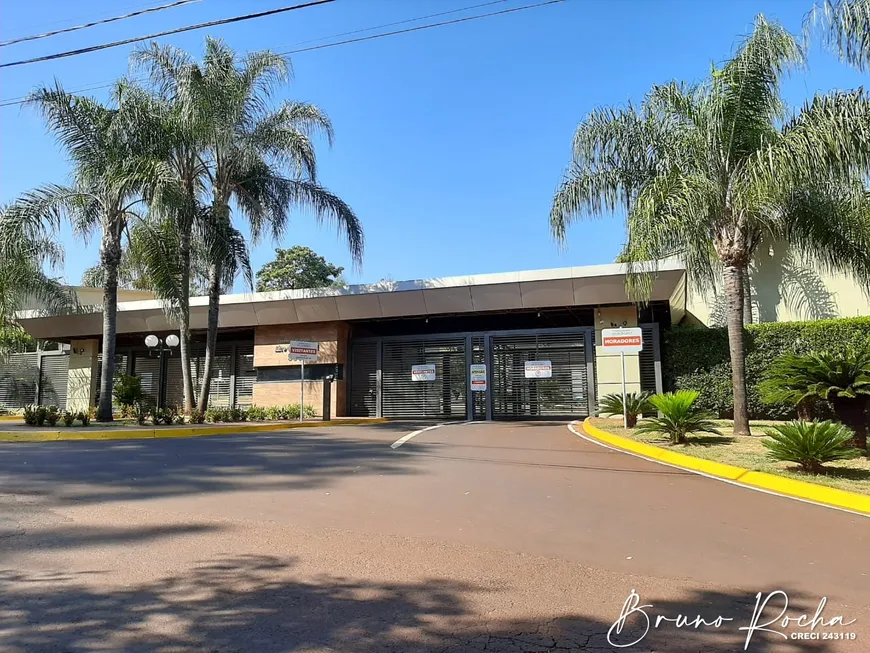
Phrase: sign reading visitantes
pixel 625 341
pixel 478 377
pixel 302 350
pixel 423 372
pixel 538 369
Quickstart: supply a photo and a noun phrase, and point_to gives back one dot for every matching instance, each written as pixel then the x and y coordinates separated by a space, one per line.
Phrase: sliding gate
pixel 431 376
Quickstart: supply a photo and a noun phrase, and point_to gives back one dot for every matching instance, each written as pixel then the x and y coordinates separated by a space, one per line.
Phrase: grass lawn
pixel 748 452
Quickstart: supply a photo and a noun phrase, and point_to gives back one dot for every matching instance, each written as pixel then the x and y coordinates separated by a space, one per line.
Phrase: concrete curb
pixel 79 433
pixel 802 490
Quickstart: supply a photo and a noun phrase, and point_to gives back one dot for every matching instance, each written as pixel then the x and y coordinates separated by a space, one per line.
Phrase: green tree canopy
pixel 298 267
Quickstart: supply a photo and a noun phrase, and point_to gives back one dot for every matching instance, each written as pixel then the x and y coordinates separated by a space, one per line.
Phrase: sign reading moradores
pixel 622 341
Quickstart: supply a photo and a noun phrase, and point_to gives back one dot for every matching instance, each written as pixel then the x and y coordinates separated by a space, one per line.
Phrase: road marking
pixel 398 443
pixel 715 478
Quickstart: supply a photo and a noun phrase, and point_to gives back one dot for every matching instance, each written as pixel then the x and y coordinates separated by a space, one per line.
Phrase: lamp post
pixel 160 346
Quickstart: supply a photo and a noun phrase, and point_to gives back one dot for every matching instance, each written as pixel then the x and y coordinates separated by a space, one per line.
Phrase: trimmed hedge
pixel 696 358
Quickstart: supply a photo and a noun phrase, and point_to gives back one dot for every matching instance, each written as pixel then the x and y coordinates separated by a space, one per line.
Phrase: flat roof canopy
pixel 576 286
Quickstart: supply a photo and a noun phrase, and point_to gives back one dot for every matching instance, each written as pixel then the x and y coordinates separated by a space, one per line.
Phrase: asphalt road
pixel 504 537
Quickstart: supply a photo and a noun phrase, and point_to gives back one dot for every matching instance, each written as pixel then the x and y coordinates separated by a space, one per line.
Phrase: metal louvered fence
pixel 43 377
pixel 38 377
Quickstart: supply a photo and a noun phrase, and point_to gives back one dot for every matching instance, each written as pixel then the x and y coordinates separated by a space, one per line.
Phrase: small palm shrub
pixel 84 416
pixel 196 416
pixel 635 406
pixel 810 444
pixel 52 415
pixel 841 378
pixel 680 416
pixel 68 418
pixel 30 415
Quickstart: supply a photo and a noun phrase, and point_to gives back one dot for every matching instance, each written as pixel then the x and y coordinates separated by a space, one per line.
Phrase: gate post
pixel 469 395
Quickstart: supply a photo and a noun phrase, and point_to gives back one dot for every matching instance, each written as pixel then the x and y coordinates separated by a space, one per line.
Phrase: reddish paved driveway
pixel 503 537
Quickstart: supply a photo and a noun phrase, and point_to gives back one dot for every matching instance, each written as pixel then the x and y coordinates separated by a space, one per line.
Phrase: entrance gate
pixel 382 384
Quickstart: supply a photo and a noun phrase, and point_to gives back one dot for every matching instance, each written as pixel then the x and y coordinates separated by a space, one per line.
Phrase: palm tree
pixel 27 247
pixel 166 244
pixel 109 170
pixel 261 160
pixel 705 172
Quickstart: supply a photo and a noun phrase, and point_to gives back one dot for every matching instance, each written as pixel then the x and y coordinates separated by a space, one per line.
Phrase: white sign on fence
pixel 302 350
pixel 478 377
pixel 622 341
pixel 423 372
pixel 539 369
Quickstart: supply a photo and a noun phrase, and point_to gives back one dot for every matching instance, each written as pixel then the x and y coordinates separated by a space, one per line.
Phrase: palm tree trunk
pixel 734 287
pixel 747 298
pixel 214 297
pixel 110 255
pixel 184 324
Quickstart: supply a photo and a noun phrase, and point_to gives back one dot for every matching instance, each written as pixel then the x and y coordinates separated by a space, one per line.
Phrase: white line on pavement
pixel 715 478
pixel 398 443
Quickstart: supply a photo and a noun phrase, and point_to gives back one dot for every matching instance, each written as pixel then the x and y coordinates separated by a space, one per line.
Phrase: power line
pixel 399 22
pixel 223 21
pixel 422 27
pixel 97 86
pixel 35 37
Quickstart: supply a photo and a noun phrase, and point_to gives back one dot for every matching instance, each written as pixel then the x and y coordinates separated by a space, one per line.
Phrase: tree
pixel 261 160
pixel 27 247
pixel 297 267
pixel 110 167
pixel 705 172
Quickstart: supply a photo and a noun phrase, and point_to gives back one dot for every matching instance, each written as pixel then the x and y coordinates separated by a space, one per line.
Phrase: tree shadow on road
pixel 111 471
pixel 255 604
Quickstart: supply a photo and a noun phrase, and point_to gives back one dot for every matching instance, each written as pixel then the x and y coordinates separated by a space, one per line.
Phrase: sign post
pixel 624 341
pixel 303 350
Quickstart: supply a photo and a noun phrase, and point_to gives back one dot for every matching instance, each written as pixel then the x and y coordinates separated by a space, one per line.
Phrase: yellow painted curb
pixel 804 490
pixel 11 418
pixel 169 432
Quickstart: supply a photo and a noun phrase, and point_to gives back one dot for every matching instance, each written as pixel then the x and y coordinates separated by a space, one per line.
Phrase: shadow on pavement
pixel 253 604
pixel 129 470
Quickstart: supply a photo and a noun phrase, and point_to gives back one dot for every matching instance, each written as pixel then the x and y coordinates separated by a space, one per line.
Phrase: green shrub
pixel 196 416
pixel 636 404
pixel 30 415
pixel 680 416
pixel 84 416
pixel 810 444
pixel 697 359
pixel 257 414
pixel 68 418
pixel 52 415
pixel 128 393
pixel 3 410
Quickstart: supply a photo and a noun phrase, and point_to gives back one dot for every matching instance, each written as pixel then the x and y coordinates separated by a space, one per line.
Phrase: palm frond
pixel 845 28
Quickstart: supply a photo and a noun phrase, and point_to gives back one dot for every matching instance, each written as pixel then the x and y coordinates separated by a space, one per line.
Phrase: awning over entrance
pixel 574 286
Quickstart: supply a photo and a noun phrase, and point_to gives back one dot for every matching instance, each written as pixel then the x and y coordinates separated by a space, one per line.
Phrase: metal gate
pixel 381 382
pixel 565 393
pixel 444 398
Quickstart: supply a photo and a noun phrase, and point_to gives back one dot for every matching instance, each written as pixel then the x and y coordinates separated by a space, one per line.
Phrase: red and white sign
pixel 302 350
pixel 538 369
pixel 625 341
pixel 423 372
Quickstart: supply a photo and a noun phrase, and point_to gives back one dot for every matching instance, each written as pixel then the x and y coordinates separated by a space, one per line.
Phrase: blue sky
pixel 449 142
